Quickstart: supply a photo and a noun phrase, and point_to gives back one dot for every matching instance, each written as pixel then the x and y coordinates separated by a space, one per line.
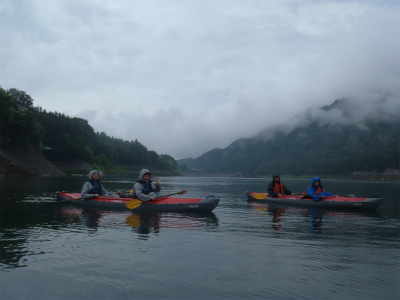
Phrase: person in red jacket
pixel 276 188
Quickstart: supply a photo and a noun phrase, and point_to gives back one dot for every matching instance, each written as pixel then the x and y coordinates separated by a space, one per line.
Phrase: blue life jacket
pixel 96 189
pixel 147 188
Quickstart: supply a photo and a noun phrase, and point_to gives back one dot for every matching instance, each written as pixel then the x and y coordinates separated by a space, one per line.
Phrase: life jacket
pixel 147 189
pixel 96 189
pixel 318 191
pixel 278 188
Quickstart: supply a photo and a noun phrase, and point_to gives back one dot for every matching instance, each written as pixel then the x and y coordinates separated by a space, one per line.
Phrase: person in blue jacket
pixel 146 189
pixel 316 190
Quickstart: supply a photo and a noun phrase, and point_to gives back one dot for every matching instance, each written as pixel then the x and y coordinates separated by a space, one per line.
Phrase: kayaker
pixel 145 189
pixel 276 188
pixel 94 188
pixel 316 190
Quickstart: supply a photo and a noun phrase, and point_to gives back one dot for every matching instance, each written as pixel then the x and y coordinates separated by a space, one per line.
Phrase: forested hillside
pixel 338 139
pixel 341 146
pixel 60 136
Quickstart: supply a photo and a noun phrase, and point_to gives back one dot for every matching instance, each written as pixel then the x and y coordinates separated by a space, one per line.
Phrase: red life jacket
pixel 318 191
pixel 278 188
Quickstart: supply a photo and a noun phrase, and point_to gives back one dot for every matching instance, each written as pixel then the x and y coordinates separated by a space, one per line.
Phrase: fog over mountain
pixel 345 111
pixel 346 137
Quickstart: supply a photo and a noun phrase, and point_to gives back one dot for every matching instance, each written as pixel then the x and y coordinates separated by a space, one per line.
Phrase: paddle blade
pixel 259 196
pixel 133 204
pixel 181 192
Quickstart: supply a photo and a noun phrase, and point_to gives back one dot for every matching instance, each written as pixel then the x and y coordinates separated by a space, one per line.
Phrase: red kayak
pixel 165 203
pixel 334 202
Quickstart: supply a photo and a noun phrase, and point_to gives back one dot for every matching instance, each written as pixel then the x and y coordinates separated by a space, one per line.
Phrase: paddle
pixel 86 198
pixel 130 192
pixel 133 203
pixel 259 196
pixel 136 202
pixel 263 196
pixel 178 193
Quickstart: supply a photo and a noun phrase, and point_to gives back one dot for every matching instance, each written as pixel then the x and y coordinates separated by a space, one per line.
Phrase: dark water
pixel 239 251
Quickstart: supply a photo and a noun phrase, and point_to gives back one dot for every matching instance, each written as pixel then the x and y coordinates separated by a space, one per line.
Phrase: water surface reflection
pixel 239 251
pixel 142 223
pixel 281 216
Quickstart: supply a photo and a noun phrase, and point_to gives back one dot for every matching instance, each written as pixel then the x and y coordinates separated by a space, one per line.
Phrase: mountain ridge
pixel 342 138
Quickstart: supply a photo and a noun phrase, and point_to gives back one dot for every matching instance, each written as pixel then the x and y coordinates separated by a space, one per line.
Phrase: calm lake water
pixel 239 251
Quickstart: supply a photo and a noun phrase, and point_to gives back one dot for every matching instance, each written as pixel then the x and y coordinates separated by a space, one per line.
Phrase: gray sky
pixel 186 76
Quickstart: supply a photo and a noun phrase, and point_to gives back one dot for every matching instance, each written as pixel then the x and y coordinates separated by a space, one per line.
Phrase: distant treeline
pixel 22 123
pixel 312 148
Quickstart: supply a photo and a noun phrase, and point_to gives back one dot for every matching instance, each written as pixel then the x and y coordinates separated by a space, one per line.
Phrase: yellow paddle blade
pixel 181 192
pixel 133 203
pixel 259 196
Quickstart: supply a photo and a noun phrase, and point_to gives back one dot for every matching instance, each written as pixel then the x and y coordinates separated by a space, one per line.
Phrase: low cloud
pixel 184 77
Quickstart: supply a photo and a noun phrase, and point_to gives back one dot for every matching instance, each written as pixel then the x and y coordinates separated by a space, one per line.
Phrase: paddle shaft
pixel 137 202
pixel 180 193
pixel 261 196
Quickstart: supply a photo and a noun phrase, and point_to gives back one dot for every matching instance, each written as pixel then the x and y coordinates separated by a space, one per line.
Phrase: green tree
pixel 22 101
pixel 18 123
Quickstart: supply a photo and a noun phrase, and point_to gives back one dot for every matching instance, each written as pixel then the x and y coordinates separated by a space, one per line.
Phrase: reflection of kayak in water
pixel 161 220
pixel 334 202
pixel 167 203
pixel 141 222
pixel 314 215
pixel 263 207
